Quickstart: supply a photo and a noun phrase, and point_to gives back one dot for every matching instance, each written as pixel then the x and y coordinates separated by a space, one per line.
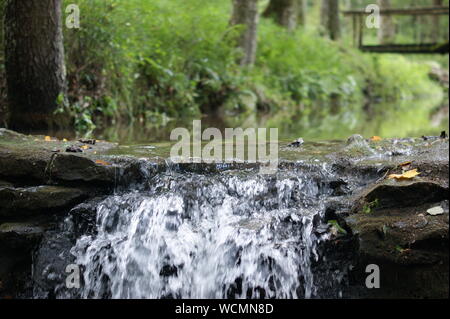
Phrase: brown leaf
pixel 100 162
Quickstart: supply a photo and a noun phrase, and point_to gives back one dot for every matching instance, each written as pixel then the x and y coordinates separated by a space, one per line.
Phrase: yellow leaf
pixel 48 139
pixel 102 163
pixel 64 140
pixel 85 147
pixel 411 174
pixel 406 175
pixel 376 138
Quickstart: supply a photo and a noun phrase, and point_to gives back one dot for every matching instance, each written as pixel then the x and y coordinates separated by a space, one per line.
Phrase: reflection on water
pixel 331 121
pixel 328 122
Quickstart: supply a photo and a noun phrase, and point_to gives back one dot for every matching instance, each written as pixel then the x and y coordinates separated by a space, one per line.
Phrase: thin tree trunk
pixel 284 12
pixel 302 12
pixel 325 14
pixel 34 59
pixel 386 33
pixel 334 22
pixel 245 12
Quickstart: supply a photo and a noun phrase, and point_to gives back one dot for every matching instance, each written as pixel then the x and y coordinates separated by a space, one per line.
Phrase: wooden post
pixel 361 30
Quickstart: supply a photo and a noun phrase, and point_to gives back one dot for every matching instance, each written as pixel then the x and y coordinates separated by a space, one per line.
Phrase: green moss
pixel 367 208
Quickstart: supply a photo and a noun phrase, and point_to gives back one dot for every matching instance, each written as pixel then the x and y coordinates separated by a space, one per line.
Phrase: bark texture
pixel 324 14
pixel 330 18
pixel 35 69
pixel 302 12
pixel 334 22
pixel 284 12
pixel 386 33
pixel 245 12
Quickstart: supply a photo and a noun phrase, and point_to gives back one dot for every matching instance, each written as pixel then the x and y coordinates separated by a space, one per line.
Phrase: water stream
pixel 199 235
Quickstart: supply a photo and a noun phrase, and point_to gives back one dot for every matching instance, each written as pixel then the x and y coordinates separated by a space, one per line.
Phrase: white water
pixel 198 236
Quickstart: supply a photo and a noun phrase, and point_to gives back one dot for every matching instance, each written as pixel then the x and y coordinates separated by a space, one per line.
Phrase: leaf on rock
pixel 100 162
pixel 48 139
pixel 85 147
pixel 406 175
pixel 406 166
pixel 376 138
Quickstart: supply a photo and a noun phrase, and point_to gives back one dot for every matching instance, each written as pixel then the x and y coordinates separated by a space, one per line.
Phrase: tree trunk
pixel 334 22
pixel 284 12
pixel 386 33
pixel 325 14
pixel 34 60
pixel 245 12
pixel 302 12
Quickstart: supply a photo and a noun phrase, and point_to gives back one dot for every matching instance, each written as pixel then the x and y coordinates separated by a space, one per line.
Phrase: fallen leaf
pixel 376 138
pixel 406 175
pixel 405 164
pixel 48 139
pixel 438 210
pixel 102 163
pixel 64 140
pixel 85 147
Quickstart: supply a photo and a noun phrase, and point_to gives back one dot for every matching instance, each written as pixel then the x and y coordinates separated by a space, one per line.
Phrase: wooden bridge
pixel 359 26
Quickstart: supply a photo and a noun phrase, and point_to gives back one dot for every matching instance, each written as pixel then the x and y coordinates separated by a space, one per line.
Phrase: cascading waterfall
pixel 184 234
pixel 197 236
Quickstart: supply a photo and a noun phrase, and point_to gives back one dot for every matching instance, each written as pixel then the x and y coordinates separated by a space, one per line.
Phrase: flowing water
pixel 232 234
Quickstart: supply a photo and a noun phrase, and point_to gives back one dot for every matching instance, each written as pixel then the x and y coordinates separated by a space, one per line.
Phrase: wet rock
pixel 297 143
pixel 74 149
pixel 24 201
pixel 22 235
pixel 19 165
pixel 17 241
pixel 356 146
pixel 8 134
pixel 75 168
pixel 5 184
pixel 355 139
pixel 84 217
pixel 89 141
pixel 395 233
pixel 398 194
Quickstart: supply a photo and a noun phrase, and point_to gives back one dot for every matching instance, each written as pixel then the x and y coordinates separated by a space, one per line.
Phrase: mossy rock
pixel 25 201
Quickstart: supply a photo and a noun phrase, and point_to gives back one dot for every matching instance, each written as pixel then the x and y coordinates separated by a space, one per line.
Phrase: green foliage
pixel 400 78
pixel 152 61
